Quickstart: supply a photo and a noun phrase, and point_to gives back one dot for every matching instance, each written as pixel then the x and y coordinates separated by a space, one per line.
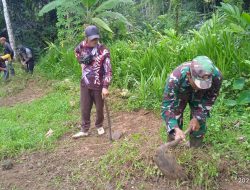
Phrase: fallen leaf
pixel 49 133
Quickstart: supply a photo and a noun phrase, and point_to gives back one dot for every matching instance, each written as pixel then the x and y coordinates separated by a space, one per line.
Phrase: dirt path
pixel 31 92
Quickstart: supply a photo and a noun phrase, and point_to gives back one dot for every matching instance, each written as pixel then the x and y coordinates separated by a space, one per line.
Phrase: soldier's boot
pixel 195 142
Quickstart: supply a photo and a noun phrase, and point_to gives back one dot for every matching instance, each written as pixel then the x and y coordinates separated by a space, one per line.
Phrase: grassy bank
pixel 24 126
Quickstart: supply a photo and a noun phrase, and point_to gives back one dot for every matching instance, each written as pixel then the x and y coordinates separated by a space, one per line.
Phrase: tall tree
pixel 176 6
pixel 8 24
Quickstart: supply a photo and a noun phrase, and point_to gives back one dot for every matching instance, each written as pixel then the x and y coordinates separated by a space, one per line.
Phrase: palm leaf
pixel 51 6
pixel 89 3
pixel 246 17
pixel 99 22
pixel 111 4
pixel 115 15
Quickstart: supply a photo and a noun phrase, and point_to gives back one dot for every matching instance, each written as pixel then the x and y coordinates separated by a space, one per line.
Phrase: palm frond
pixel 89 3
pixel 99 22
pixel 111 4
pixel 231 11
pixel 115 15
pixel 246 17
pixel 51 6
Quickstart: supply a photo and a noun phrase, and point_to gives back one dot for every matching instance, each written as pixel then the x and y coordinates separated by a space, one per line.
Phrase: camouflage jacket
pixel 99 73
pixel 178 92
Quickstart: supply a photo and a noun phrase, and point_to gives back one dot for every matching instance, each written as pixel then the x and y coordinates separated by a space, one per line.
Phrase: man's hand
pixel 179 134
pixel 23 63
pixel 105 93
pixel 195 124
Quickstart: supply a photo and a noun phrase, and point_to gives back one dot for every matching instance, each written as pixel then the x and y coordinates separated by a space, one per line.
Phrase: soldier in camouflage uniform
pixel 196 83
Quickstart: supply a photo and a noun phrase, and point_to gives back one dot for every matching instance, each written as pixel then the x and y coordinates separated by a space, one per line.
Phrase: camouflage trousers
pixel 197 112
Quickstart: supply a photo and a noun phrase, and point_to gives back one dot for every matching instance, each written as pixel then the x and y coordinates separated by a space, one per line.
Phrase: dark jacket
pixel 8 50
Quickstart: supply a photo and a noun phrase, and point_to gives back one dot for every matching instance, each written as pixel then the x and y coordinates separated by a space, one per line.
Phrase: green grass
pixel 23 127
pixel 14 84
pixel 226 142
pixel 124 162
pixel 225 156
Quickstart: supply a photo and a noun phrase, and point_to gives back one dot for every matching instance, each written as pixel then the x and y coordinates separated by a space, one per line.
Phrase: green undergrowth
pixel 224 157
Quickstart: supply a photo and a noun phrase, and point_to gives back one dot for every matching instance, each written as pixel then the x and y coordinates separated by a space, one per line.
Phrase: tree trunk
pixel 8 25
pixel 177 19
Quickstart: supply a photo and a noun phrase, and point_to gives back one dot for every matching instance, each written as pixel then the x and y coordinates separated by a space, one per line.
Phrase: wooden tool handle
pixel 177 141
pixel 109 120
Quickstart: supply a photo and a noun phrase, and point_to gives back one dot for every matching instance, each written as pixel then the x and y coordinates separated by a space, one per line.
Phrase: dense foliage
pixel 141 63
pixel 29 29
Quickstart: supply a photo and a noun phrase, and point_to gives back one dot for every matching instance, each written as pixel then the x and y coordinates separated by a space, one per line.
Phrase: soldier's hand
pixel 195 124
pixel 179 134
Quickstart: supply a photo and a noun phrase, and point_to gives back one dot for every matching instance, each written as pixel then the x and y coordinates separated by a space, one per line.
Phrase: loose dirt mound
pixel 31 92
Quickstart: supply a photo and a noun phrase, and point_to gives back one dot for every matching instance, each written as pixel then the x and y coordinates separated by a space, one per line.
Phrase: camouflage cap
pixel 202 69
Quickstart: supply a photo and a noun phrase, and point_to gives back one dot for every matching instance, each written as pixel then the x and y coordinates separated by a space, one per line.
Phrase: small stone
pixel 109 187
pixel 7 164
pixel 66 80
pixel 72 103
pixel 117 135
pixel 39 164
pixel 241 138
pixel 132 182
pixel 124 93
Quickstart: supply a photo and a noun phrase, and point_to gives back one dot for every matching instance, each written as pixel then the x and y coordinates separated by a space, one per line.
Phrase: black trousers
pixel 30 66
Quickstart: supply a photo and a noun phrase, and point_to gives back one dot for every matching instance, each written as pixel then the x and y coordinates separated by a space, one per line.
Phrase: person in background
pixel 196 83
pixel 4 69
pixel 94 59
pixel 26 57
pixel 8 55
